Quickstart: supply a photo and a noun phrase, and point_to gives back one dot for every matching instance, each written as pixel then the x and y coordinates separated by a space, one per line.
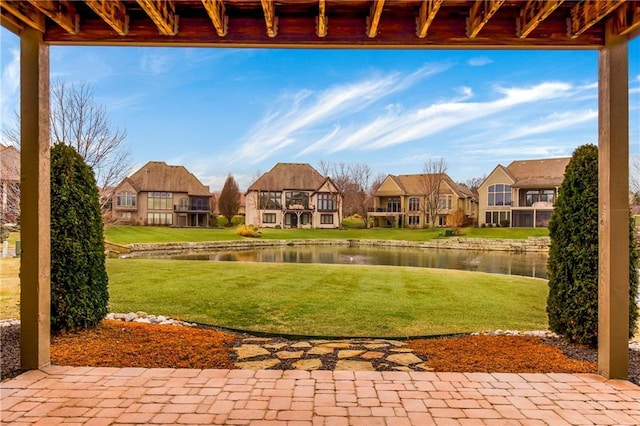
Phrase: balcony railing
pixel 383 210
pixel 194 208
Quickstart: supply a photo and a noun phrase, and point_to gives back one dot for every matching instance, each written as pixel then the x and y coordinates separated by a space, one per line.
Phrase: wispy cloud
pixel 10 84
pixel 553 122
pixel 154 63
pixel 479 61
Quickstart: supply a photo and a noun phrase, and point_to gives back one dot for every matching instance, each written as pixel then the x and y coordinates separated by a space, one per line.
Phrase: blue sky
pixel 240 111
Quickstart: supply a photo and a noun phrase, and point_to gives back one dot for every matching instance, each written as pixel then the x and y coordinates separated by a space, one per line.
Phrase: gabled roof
pixel 289 176
pixel 159 176
pixel 415 185
pixel 9 163
pixel 538 173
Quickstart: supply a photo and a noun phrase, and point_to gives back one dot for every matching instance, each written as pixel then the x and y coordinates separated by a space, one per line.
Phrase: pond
pixel 497 262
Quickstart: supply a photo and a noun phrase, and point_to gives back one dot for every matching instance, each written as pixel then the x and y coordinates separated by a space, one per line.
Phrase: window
pixel 125 216
pixel 297 198
pixel 444 202
pixel 160 201
pixel 126 199
pixel 414 205
pixel 496 217
pixel 393 204
pixel 326 219
pixel 531 196
pixel 271 200
pixel 326 202
pixel 499 195
pixel 414 220
pixel 305 218
pixel 160 218
pixel 268 218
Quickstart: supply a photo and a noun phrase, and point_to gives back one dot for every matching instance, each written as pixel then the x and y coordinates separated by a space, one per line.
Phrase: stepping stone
pixel 301 345
pixel 258 365
pixel 407 369
pixel 308 364
pixel 349 354
pixel 354 365
pixel 275 345
pixel 401 350
pixel 256 339
pixel 395 343
pixel 335 345
pixel 251 351
pixel 404 359
pixel 319 351
pixel 289 354
pixel 372 355
pixel 376 345
pixel 424 367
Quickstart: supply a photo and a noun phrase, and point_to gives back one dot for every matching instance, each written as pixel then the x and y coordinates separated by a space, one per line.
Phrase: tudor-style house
pixel 521 194
pixel 293 195
pixel 401 201
pixel 160 194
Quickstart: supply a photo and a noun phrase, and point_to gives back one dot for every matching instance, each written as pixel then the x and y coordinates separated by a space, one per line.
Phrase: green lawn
pixel 328 300
pixel 154 234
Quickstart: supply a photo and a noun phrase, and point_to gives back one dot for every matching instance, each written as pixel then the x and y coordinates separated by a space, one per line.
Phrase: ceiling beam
pixel 113 12
pixel 26 13
pixel 589 12
pixel 533 13
pixel 10 22
pixel 626 19
pixel 479 15
pixel 270 18
pixel 374 18
pixel 321 19
pixel 163 14
pixel 61 12
pixel 218 15
pixel 428 11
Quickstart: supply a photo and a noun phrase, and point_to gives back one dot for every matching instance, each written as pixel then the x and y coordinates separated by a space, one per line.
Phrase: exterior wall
pixel 125 214
pixel 496 177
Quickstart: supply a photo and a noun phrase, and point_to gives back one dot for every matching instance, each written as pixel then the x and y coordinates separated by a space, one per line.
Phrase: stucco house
pixel 521 194
pixel 293 195
pixel 160 194
pixel 9 184
pixel 401 201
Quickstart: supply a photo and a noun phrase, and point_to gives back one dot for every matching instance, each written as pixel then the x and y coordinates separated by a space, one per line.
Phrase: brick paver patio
pixel 102 396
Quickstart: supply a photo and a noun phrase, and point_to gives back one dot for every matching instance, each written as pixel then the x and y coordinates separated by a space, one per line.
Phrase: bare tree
pixel 229 199
pixel 78 120
pixel 434 172
pixel 339 174
pixel 9 186
pixel 361 174
pixel 474 183
pixel 634 178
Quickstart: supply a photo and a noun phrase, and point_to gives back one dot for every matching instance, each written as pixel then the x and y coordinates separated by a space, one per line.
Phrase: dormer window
pixel 126 199
pixel 499 195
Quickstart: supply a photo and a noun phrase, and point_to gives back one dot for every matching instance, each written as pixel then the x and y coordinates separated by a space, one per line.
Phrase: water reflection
pixel 524 264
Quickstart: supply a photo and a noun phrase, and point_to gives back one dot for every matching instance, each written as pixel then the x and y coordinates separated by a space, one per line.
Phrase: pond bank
pixel 531 244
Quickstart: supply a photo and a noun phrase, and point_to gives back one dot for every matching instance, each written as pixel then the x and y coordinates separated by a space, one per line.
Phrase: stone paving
pixel 103 396
pixel 256 353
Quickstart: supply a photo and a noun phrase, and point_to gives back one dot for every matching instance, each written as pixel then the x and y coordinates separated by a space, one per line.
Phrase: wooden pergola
pixel 404 24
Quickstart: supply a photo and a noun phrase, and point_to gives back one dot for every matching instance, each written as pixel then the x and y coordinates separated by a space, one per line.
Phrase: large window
pixel 159 218
pixel 126 199
pixel 268 218
pixel 393 204
pixel 532 196
pixel 499 195
pixel 160 201
pixel 271 200
pixel 444 202
pixel 414 220
pixel 496 218
pixel 414 205
pixel 326 219
pixel 326 202
pixel 297 198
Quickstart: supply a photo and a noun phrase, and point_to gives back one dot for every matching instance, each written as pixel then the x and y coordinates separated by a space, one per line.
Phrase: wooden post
pixel 35 266
pixel 613 208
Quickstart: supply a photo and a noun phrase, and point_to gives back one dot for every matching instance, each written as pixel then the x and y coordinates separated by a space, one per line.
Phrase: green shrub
pixel 572 304
pixel 248 231
pixel 79 295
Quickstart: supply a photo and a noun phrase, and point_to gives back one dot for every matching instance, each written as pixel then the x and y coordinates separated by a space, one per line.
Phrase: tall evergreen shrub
pixel 572 304
pixel 79 295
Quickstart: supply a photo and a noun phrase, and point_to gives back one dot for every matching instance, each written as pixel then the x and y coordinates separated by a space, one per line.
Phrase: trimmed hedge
pixel 79 294
pixel 572 304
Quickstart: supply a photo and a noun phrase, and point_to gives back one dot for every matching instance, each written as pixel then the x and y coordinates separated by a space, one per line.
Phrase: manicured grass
pixel 10 288
pixel 154 234
pixel 327 300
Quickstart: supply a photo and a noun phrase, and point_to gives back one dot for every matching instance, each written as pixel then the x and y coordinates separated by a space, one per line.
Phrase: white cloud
pixel 154 63
pixel 552 122
pixel 479 61
pixel 10 85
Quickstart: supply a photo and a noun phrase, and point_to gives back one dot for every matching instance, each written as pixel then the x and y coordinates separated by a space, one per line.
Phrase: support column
pixel 35 266
pixel 613 208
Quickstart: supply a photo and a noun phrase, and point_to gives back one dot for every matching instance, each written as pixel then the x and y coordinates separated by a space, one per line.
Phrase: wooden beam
pixel 25 13
pixel 113 12
pixel 62 12
pixel 35 205
pixel 10 22
pixel 533 13
pixel 613 207
pixel 321 19
pixel 626 19
pixel 374 18
pixel 428 11
pixel 587 13
pixel 270 18
pixel 163 14
pixel 479 15
pixel 218 16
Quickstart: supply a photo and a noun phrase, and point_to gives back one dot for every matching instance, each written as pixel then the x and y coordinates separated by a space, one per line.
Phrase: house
pixel 293 195
pixel 521 194
pixel 402 201
pixel 160 194
pixel 9 184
